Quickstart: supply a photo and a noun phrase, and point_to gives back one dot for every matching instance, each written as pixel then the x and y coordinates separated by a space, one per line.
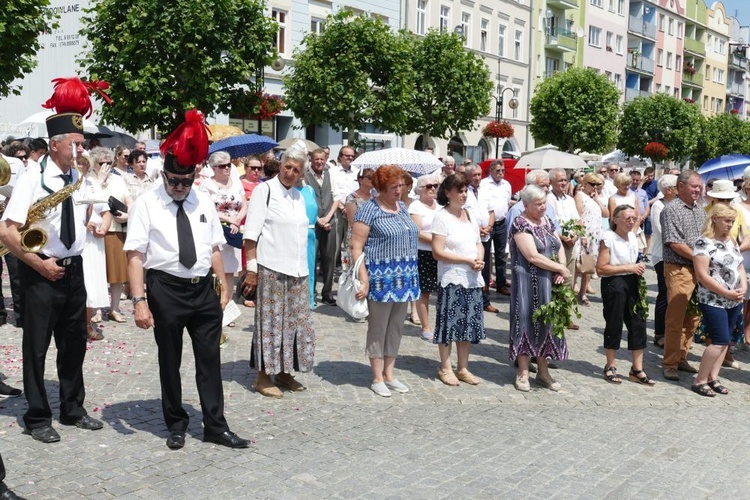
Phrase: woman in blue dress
pixel 390 279
pixel 533 244
pixel 312 215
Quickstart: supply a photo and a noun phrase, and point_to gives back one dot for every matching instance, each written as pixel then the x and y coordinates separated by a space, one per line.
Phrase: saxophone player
pixel 53 277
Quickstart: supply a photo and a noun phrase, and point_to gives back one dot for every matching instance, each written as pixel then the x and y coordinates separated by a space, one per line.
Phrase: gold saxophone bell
pixel 33 239
pixel 4 171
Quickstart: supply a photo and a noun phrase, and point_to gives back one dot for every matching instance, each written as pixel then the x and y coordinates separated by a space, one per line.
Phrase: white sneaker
pixel 397 386
pixel 381 390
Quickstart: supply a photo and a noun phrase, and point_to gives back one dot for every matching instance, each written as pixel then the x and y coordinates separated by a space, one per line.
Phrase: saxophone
pixel 33 238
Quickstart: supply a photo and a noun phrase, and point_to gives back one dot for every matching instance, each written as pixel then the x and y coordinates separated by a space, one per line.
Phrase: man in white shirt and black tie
pixel 174 232
pixel 52 279
pixel 497 191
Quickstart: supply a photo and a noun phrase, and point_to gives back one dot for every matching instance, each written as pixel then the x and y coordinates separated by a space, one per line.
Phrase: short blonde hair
pixel 622 180
pixel 592 177
pixel 717 210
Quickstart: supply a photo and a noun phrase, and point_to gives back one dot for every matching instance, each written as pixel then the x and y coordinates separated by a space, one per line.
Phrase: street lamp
pixel 512 104
pixel 260 76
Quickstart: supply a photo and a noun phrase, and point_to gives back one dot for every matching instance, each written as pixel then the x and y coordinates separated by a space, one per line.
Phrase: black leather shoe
pixel 6 494
pixel 45 434
pixel 228 438
pixel 7 391
pixel 329 301
pixel 85 422
pixel 176 440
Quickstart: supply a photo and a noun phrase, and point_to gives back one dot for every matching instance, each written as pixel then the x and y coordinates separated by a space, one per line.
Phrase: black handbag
pixel 116 207
pixel 234 240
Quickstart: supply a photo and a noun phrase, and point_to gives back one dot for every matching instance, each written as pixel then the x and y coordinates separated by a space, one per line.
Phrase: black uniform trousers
pixel 54 308
pixel 499 237
pixel 15 289
pixel 177 304
pixel 325 250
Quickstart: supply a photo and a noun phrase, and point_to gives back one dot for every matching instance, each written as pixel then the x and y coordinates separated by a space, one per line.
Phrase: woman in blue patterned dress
pixel 390 280
pixel 532 247
pixel 312 216
pixel 459 252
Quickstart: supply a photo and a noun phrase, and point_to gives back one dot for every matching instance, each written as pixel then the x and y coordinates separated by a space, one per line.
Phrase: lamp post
pixel 512 104
pixel 260 76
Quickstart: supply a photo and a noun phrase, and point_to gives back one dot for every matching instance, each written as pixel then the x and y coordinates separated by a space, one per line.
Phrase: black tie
pixel 185 237
pixel 67 223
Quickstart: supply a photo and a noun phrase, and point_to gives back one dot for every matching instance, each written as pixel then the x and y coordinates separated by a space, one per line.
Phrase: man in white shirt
pixel 565 210
pixel 174 232
pixel 481 213
pixel 449 168
pixel 52 280
pixel 609 182
pixel 496 192
pixel 345 177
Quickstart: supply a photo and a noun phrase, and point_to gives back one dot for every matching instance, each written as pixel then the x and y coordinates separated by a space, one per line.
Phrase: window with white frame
pixel 609 40
pixel 719 105
pixel 517 95
pixel 710 43
pixel 594 36
pixel 618 81
pixel 484 26
pixel 517 47
pixel 708 72
pixel 722 47
pixel 661 22
pixel 279 40
pixel 658 88
pixel 680 29
pixel 621 7
pixel 466 26
pixel 678 63
pixel 421 17
pixel 618 44
pixel 611 5
pixel 596 3
pixel 501 41
pixel 660 57
pixel 670 26
pixel 720 76
pixel 316 25
pixel 667 89
pixel 445 14
pixel 669 60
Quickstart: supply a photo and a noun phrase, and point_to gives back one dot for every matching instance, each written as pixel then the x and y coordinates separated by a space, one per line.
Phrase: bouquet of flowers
pixel 500 129
pixel 573 227
pixel 656 150
pixel 559 311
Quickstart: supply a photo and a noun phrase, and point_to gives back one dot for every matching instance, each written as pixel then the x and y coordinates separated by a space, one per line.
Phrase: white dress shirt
pixel 346 182
pixel 29 190
pixel 479 213
pixel 278 223
pixel 496 196
pixel 609 188
pixel 152 230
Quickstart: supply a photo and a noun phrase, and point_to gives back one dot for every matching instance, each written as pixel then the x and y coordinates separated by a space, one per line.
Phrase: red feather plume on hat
pixel 189 142
pixel 71 95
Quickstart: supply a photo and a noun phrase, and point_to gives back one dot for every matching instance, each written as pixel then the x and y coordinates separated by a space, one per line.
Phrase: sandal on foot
pixel 611 376
pixel 288 381
pixel 703 390
pixel 448 378
pixel 583 300
pixel 659 342
pixel 640 377
pixel 716 386
pixel 94 333
pixel 467 377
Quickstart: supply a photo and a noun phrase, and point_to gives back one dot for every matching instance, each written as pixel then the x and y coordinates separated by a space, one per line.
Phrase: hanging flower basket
pixel 499 129
pixel 256 105
pixel 656 151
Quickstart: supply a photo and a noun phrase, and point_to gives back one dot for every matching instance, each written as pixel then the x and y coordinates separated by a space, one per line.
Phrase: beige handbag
pixel 586 264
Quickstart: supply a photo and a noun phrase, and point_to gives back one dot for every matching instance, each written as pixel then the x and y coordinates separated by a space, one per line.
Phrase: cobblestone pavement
pixel 338 439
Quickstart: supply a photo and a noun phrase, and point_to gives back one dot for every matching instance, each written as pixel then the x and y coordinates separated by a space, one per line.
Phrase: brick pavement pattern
pixel 338 439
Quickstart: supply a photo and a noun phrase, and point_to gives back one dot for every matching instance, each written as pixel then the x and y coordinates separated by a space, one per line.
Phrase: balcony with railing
pixel 563 4
pixel 639 26
pixel 561 40
pixel 737 61
pixel 736 88
pixel 640 63
pixel 695 46
pixel 631 94
pixel 695 79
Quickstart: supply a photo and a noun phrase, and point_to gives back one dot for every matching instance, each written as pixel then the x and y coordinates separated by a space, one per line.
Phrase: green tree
pixel 21 22
pixel 452 86
pixel 356 71
pixel 719 135
pixel 672 121
pixel 162 58
pixel 575 110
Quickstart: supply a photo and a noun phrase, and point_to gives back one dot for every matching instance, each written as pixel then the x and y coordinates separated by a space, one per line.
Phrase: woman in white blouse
pixel 460 254
pixel 721 289
pixel 619 266
pixel 422 211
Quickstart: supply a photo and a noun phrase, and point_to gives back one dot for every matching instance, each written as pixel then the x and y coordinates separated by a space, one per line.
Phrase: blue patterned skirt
pixel 459 315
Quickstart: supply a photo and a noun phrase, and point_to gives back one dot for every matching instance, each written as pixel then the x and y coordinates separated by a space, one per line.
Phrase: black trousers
pixel 660 312
pixel 325 251
pixel 619 295
pixel 54 308
pixel 499 237
pixel 175 306
pixel 15 286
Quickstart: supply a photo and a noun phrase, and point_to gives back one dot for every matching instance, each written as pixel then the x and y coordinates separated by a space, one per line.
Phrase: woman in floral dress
pixel 592 212
pixel 533 244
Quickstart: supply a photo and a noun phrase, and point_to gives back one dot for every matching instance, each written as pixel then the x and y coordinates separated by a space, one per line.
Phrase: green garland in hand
pixel 559 311
pixel 640 307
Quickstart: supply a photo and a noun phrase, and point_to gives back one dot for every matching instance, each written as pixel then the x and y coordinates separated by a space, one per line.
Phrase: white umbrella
pixel 36 124
pixel 416 162
pixel 551 158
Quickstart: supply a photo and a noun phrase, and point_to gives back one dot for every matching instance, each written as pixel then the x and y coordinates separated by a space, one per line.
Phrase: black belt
pixel 64 262
pixel 170 278
pixel 500 221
